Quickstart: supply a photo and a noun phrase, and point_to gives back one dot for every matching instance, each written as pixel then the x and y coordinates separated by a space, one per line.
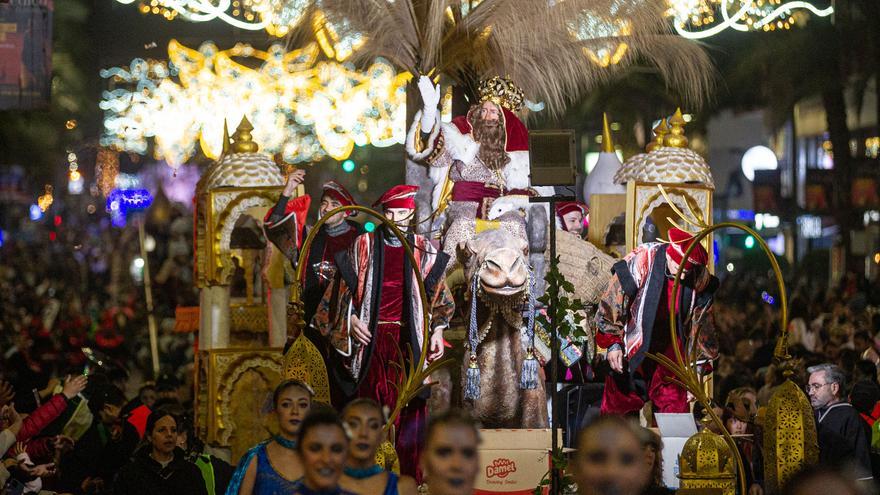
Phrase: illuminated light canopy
pixel 303 109
pixel 698 19
pixel 277 17
pixel 595 31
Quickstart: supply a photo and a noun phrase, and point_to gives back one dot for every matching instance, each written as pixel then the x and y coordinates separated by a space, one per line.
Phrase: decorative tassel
pixel 528 380
pixel 472 382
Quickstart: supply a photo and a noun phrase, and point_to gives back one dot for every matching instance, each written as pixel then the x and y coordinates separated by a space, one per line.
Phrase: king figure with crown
pixel 475 160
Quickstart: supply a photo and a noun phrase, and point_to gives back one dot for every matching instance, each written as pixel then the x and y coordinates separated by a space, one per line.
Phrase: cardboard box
pixel 512 462
pixel 675 430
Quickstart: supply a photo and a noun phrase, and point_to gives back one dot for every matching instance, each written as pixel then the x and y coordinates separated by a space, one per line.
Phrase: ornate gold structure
pixel 232 388
pixel 686 178
pixel 240 334
pixel 790 440
pixel 303 362
pixel 790 433
pixel 706 461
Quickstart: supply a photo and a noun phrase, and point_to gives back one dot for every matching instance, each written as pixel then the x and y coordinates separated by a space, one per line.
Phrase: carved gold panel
pixel 644 201
pixel 253 318
pixel 235 386
pixel 222 208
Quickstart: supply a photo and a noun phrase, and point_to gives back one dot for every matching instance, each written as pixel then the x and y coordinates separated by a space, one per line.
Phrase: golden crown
pixel 501 91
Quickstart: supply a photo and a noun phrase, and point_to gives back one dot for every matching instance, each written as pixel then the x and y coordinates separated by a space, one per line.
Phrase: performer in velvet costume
pixel 375 312
pixel 633 319
pixel 285 227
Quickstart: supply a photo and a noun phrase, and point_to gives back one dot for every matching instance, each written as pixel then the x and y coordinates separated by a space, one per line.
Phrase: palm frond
pixel 539 44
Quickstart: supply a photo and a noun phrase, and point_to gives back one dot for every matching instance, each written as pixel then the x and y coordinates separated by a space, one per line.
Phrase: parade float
pixel 242 324
pixel 241 336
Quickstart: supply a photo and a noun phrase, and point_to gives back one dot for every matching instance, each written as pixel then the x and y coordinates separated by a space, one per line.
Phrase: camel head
pixel 500 261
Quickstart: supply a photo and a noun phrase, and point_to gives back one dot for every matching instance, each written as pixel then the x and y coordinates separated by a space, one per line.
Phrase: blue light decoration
pixel 369 226
pixel 122 201
pixel 35 212
pixel 130 199
pixel 767 298
pixel 1 238
pixel 348 166
pixel 749 242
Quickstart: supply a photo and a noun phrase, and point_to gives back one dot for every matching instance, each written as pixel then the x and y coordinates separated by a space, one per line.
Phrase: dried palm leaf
pixel 540 44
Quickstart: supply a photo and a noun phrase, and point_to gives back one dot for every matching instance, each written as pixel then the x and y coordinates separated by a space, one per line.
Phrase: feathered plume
pixel 540 44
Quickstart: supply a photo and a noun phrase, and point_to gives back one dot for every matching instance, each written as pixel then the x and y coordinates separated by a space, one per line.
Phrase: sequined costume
pixel 633 315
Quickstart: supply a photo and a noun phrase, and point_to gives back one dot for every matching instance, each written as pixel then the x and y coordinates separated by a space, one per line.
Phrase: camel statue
pixel 503 395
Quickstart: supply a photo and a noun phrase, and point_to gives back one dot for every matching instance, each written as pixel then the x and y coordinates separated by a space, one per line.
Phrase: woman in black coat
pixel 159 467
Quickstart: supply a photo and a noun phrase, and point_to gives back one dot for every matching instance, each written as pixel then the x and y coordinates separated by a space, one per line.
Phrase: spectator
pixel 819 480
pixel 653 446
pixel 216 473
pixel 104 448
pixel 10 425
pixel 841 433
pixel 159 466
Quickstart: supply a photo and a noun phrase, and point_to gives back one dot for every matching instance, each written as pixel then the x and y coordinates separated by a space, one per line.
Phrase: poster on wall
pixel 766 191
pixel 25 54
pixel 864 194
pixel 819 191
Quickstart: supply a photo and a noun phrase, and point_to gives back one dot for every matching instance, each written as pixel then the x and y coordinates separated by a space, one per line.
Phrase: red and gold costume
pixel 378 284
pixel 634 315
pixel 285 227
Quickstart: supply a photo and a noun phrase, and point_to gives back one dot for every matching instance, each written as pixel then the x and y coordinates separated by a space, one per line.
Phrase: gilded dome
pixel 706 456
pixel 243 170
pixel 631 168
pixel 668 159
pixel 242 165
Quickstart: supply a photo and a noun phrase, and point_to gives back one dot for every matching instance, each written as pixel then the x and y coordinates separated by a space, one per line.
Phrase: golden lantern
pixel 790 439
pixel 706 461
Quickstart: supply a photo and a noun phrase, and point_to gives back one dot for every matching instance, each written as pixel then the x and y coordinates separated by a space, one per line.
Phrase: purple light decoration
pixel 179 188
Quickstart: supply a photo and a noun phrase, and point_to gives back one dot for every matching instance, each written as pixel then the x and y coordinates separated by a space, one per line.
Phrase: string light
pixel 698 19
pixel 299 107
pixel 595 30
pixel 46 200
pixel 106 170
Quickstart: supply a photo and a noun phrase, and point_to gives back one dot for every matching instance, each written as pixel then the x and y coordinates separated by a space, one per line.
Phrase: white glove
pixel 430 99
